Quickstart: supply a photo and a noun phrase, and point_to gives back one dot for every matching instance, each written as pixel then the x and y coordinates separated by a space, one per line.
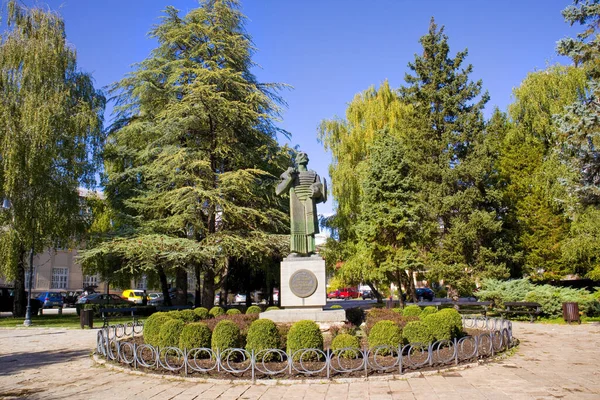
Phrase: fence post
pixel 455 351
pixel 400 355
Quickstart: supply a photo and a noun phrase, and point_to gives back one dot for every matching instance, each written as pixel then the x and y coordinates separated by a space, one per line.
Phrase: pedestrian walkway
pixel 552 362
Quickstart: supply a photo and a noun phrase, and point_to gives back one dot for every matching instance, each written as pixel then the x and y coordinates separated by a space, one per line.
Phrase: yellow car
pixel 135 296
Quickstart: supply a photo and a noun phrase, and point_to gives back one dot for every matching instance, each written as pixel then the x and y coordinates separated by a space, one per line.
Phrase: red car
pixel 348 293
pixel 333 295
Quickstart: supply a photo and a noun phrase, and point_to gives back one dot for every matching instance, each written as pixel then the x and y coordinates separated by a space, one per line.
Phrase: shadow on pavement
pixel 15 362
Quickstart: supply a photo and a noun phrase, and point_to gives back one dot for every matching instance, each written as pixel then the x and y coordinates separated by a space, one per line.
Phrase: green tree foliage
pixel 192 157
pixel 50 137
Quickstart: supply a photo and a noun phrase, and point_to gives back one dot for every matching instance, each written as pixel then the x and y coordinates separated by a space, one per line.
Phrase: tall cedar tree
pixel 50 137
pixel 192 159
pixel 451 159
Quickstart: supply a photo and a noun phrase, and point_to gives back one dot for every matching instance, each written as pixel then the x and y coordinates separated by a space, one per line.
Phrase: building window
pixel 60 278
pixel 27 278
pixel 90 280
pixel 142 283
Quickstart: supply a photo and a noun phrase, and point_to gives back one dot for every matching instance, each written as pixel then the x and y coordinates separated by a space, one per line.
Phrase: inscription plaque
pixel 303 283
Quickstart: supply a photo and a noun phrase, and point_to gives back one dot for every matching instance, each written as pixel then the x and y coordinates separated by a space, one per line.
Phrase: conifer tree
pixel 193 155
pixel 50 139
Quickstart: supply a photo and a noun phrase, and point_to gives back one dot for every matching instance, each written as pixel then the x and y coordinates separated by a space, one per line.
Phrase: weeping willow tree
pixel 50 139
pixel 193 156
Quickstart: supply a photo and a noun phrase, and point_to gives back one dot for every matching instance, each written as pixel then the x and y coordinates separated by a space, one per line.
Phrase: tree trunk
pixel 375 292
pixel 208 288
pixel 399 283
pixel 181 285
pixel 411 286
pixel 20 295
pixel 164 286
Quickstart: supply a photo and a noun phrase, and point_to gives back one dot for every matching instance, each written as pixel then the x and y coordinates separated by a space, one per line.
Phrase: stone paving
pixel 552 362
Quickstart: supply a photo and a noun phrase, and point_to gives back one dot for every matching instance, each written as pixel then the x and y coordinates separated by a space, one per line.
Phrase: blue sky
pixel 329 50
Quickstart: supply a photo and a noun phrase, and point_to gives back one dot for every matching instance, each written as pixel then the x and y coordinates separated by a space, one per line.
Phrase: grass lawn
pixel 57 321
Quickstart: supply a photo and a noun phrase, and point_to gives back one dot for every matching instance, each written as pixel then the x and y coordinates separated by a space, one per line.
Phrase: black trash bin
pixel 86 317
pixel 571 312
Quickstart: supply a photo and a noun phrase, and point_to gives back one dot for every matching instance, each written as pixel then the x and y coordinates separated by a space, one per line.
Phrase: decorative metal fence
pixel 114 344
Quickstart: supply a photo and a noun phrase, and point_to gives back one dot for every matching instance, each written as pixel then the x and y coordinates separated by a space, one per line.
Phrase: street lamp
pixel 6 204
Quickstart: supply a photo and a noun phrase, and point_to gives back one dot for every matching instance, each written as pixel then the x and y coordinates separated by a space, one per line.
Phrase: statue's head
pixel 302 158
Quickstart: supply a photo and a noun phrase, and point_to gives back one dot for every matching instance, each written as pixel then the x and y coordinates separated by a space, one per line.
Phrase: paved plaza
pixel 552 362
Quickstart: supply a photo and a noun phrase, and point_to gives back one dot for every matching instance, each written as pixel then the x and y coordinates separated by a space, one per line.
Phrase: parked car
pixel 348 293
pixel 70 299
pixel 102 298
pixel 335 294
pixel 51 299
pixel 134 296
pixel 422 294
pixel 152 296
pixel 7 300
pixel 239 298
pixel 367 294
pixel 159 299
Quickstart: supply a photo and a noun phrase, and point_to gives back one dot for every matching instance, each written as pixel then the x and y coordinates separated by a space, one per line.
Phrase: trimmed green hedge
pixel 152 327
pixel 417 332
pixel 304 334
pixel 170 332
pixel 336 307
pixel 233 311
pixel 344 340
pixel 262 335
pixel 202 313
pixel 411 311
pixel 225 335
pixel 253 310
pixel 272 308
pixel 216 311
pixel 184 315
pixel 428 311
pixel 385 333
pixel 445 324
pixel 195 335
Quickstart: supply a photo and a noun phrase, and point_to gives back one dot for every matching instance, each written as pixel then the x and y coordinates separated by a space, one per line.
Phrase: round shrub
pixel 202 312
pixel 225 335
pixel 445 324
pixel 427 311
pixel 411 311
pixel 336 307
pixel 233 311
pixel 272 308
pixel 253 310
pixel 344 340
pixel 262 335
pixel 170 332
pixel 385 333
pixel 216 311
pixel 417 332
pixel 195 335
pixel 304 334
pixel 152 327
pixel 355 315
pixel 188 316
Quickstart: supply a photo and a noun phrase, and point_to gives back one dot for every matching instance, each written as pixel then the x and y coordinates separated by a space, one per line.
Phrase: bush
pixel 304 334
pixel 347 328
pixel 355 315
pixel 170 332
pixel 417 332
pixel 283 330
pixel 551 298
pixel 336 307
pixel 202 313
pixel 188 316
pixel 216 311
pixel 411 311
pixel 445 324
pixel 225 335
pixel 233 311
pixel 262 335
pixel 253 310
pixel 428 311
pixel 384 314
pixel 272 308
pixel 344 340
pixel 195 335
pixel 152 327
pixel 385 333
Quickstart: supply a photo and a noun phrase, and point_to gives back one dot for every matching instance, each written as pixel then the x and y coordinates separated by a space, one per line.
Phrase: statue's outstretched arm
pixel 287 179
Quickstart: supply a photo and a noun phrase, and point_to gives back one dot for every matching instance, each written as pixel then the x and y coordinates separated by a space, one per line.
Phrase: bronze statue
pixel 306 191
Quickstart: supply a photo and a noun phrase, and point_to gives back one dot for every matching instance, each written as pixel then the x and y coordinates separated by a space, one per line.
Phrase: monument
pixel 303 279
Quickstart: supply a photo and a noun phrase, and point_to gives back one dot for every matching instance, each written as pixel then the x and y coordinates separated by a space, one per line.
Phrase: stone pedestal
pixel 303 293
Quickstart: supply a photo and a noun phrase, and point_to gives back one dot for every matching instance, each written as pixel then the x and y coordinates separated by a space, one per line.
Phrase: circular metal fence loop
pixel 194 354
pixel 138 327
pixel 127 348
pixel 506 339
pixel 229 355
pixel 467 348
pixel 141 352
pixel 412 350
pixel 484 343
pixel 439 346
pixel 468 322
pixel 382 351
pixel 264 356
pixel 129 328
pixel 302 353
pixel 101 343
pixel 339 354
pixel 164 358
pixel 111 349
pixel 497 343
